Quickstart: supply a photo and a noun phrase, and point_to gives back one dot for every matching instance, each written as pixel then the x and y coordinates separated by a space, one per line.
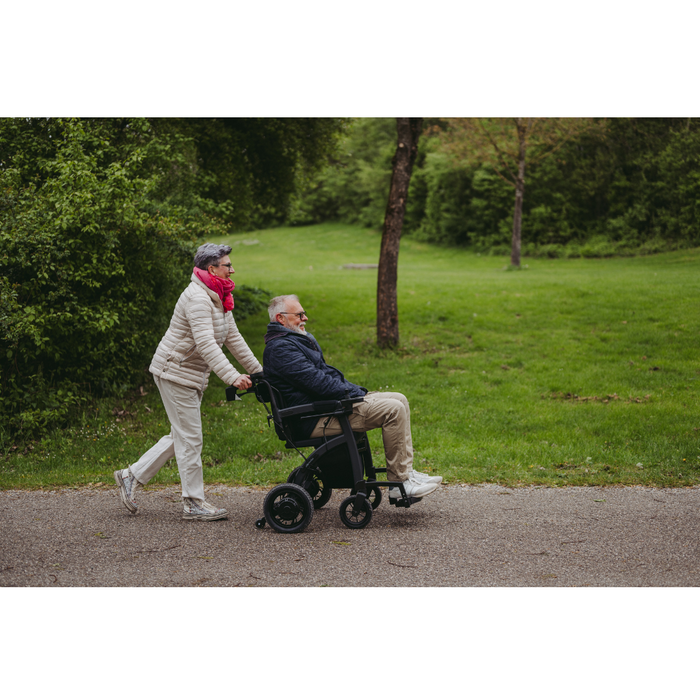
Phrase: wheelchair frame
pixel 338 461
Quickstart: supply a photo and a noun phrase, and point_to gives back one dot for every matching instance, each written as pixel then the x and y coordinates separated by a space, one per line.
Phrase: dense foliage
pixel 245 171
pixel 627 186
pixel 87 266
pixel 99 220
pixel 354 188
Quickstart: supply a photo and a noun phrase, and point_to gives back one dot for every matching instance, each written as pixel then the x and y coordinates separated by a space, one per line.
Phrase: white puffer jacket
pixel 191 347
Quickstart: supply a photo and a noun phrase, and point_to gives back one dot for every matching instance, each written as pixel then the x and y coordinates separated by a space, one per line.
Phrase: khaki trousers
pixel 184 442
pixel 390 412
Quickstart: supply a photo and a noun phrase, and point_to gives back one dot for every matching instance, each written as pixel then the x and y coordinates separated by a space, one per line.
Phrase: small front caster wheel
pixel 353 517
pixel 260 524
pixel 374 494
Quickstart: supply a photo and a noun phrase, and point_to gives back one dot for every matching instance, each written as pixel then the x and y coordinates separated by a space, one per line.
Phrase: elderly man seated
pixel 293 362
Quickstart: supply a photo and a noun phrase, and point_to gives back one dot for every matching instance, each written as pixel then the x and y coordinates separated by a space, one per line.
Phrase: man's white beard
pixel 296 329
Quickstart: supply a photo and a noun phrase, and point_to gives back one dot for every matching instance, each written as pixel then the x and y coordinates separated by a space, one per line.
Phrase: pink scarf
pixel 221 286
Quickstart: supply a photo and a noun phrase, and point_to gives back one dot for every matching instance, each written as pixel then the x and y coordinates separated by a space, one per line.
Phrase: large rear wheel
pixel 288 508
pixel 313 484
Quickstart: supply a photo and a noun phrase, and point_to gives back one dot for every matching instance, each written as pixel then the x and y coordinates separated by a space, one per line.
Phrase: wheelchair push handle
pixel 234 394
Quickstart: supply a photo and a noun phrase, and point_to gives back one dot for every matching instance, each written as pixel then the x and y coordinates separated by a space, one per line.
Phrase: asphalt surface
pixel 458 536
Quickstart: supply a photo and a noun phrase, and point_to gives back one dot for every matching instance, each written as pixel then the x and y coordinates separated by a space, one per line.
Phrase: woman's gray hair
pixel 210 254
pixel 279 304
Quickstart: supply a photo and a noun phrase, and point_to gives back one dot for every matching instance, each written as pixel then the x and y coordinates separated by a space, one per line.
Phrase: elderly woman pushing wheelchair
pixel 190 349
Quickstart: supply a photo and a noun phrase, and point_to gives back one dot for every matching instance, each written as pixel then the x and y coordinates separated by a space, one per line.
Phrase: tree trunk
pixel 387 308
pixel 519 192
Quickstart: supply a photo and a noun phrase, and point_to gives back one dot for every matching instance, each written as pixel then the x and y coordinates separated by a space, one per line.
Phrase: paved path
pixel 459 536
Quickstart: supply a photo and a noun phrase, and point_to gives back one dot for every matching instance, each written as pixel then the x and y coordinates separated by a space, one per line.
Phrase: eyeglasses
pixel 300 314
pixel 229 265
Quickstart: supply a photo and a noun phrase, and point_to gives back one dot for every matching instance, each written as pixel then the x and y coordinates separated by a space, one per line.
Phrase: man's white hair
pixel 279 304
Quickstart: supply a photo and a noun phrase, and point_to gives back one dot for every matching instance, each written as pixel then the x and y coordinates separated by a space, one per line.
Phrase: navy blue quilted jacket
pixel 294 364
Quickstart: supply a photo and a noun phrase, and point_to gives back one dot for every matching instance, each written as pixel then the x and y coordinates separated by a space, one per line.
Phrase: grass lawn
pixel 569 372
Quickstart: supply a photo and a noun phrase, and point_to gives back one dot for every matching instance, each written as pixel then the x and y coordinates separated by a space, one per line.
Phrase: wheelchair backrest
pixel 270 395
pixel 262 390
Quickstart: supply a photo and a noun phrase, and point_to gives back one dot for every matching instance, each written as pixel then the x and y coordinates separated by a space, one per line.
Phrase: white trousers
pixel 390 411
pixel 184 442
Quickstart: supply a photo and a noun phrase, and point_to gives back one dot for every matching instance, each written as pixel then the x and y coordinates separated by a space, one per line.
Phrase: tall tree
pixel 507 145
pixel 408 131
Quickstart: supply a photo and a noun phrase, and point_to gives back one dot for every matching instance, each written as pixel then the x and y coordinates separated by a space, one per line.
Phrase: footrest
pixel 404 502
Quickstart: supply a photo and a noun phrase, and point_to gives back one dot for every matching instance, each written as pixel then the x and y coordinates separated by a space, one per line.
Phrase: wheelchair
pixel 341 461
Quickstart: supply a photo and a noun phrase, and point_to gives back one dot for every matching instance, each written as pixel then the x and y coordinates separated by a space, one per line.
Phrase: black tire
pixel 374 494
pixel 313 484
pixel 288 508
pixel 294 477
pixel 353 518
pixel 375 497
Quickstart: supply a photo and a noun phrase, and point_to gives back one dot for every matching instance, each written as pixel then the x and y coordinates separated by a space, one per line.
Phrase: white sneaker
pixel 425 478
pixel 128 486
pixel 196 509
pixel 413 488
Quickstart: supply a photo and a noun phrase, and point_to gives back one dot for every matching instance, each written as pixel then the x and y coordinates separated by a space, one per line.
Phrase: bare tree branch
pixel 499 155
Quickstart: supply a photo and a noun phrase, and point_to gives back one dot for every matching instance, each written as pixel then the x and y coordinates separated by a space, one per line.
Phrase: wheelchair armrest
pixel 349 403
pixel 321 408
pixel 330 406
pixel 298 410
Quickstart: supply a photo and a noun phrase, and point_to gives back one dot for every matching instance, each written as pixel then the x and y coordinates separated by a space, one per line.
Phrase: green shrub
pixel 356 186
pixel 548 250
pixel 89 271
pixel 447 196
pixel 250 301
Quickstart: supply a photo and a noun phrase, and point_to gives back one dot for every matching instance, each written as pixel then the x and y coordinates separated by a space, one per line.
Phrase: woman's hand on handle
pixel 243 382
